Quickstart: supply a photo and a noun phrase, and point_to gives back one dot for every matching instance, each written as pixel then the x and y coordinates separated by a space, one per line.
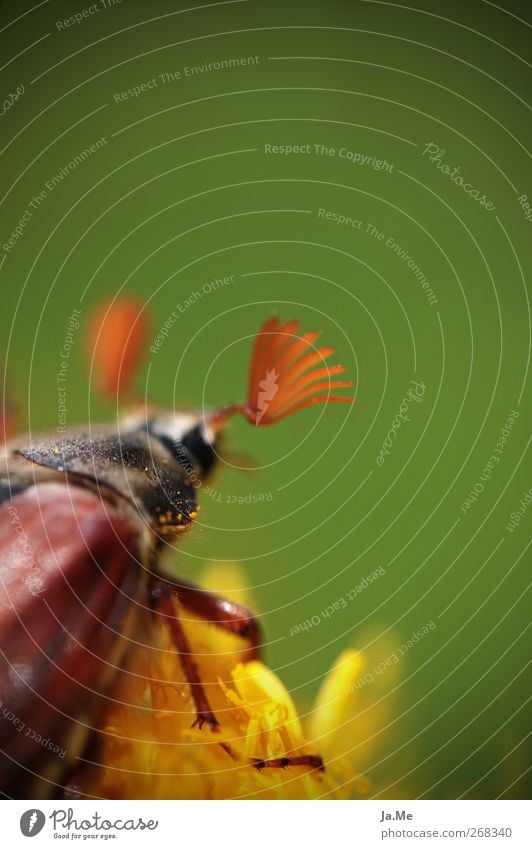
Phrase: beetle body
pixel 82 522
pixel 84 519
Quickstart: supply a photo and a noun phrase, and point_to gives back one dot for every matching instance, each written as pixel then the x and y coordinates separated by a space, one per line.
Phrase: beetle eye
pixel 201 448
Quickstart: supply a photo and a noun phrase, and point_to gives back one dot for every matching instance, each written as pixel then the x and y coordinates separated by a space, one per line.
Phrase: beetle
pixel 85 517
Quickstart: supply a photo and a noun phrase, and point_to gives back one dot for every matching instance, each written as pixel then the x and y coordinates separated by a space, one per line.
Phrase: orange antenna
pixel 7 421
pixel 287 373
pixel 8 414
pixel 117 340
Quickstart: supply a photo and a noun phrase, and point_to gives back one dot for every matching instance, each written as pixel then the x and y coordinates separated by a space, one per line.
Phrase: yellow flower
pixel 149 749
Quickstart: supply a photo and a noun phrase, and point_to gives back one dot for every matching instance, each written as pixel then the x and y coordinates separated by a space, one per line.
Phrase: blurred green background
pixel 184 189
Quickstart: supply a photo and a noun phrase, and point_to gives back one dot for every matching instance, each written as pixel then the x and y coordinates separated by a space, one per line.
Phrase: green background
pixel 183 192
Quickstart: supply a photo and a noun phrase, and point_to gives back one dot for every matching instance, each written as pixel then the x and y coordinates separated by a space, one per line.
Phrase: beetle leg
pixel 219 611
pixel 232 617
pixel 162 602
pixel 312 761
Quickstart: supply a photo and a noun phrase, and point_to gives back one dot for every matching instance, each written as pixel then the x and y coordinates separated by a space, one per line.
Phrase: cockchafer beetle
pixel 84 520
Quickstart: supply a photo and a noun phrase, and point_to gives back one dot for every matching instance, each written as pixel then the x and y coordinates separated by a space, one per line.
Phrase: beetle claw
pixel 210 719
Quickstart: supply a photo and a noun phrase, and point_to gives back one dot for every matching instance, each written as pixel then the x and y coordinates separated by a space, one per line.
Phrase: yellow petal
pixel 335 700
